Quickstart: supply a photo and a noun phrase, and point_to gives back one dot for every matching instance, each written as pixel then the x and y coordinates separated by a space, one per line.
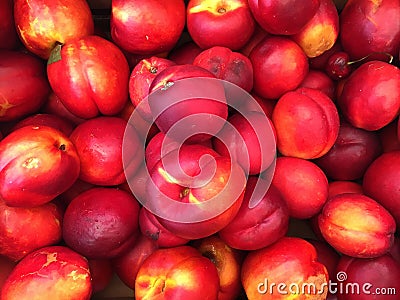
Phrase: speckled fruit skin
pixel 267 266
pixel 37 163
pixel 90 77
pixel 227 65
pixel 54 272
pixel 41 24
pixel 101 222
pixel 99 143
pixel 357 225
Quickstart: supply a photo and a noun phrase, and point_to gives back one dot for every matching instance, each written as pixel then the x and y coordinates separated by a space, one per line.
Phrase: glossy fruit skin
pixel 321 32
pixel 99 143
pixel 54 272
pixel 227 65
pixel 260 226
pixel 381 181
pixel 128 264
pixel 263 267
pixel 370 26
pixel 161 275
pixel 249 141
pixel 193 189
pixel 227 261
pixel 279 66
pixel 87 81
pixel 302 185
pixel 357 226
pixel 140 81
pixel 338 65
pixel 306 123
pixel 37 163
pixel 24 230
pixel 227 24
pixel 147 27
pixel 283 17
pixel 23 85
pixel 354 150
pixel 374 277
pixel 62 20
pixel 202 95
pixel 101 222
pixel 371 95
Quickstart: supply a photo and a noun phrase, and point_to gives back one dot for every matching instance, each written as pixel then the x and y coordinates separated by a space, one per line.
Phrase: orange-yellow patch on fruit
pixel 216 7
pixel 51 257
pixel 120 14
pixel 31 163
pixel 4 107
pixel 167 177
pixel 193 199
pixel 375 5
pixel 318 40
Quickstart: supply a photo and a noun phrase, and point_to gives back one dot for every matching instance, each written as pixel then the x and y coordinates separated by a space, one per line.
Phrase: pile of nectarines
pixel 199 149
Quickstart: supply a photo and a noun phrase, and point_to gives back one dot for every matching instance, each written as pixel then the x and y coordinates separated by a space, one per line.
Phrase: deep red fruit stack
pixel 200 149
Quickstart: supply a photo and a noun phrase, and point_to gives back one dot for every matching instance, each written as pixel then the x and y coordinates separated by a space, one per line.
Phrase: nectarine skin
pixel 99 143
pixel 42 24
pixel 37 163
pixel 302 184
pixel 101 222
pixel 54 272
pixel 23 85
pixel 88 82
pixel 260 226
pixel 371 95
pixel 147 27
pixel 23 230
pixel 279 66
pixel 306 122
pixel 177 273
pixel 357 225
pixel 381 182
pixel 220 23
pixel 381 273
pixel 289 260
